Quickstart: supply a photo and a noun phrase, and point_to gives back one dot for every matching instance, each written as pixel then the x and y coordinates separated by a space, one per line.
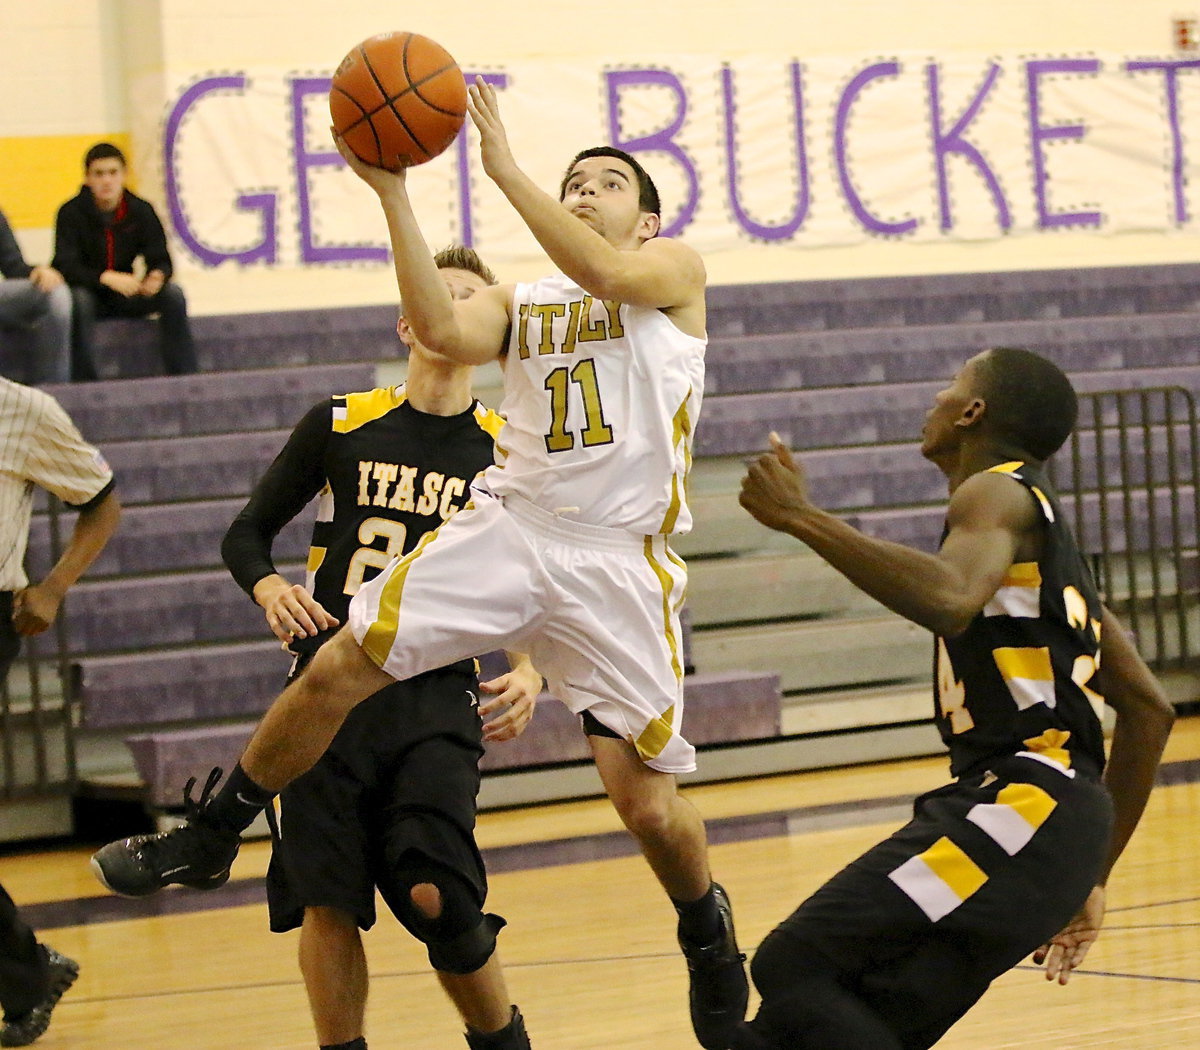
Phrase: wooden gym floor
pixel 589 951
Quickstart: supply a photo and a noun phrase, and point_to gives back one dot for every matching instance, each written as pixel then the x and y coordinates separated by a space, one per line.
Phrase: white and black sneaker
pixel 196 854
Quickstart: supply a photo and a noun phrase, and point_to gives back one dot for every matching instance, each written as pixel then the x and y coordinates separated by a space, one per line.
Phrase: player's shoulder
pixel 999 495
pixel 354 410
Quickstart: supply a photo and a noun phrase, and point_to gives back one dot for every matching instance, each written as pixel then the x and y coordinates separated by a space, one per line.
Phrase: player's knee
pixel 427 899
pixel 776 965
pixel 468 950
pixel 646 817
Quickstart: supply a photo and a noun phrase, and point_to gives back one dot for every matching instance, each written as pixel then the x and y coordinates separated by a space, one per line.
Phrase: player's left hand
pixel 775 487
pixel 514 697
pixel 1066 950
pixel 494 150
pixel 35 609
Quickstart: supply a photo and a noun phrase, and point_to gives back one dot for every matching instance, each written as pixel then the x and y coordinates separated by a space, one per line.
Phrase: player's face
pixel 106 179
pixel 944 421
pixel 603 192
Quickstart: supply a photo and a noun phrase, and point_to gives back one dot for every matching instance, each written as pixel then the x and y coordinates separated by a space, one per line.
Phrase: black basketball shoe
pixel 511 1037
pixel 196 854
pixel 719 991
pixel 23 1029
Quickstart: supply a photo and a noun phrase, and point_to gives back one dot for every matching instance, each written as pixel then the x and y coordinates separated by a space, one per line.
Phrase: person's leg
pixel 23 967
pixel 334 966
pixel 84 309
pixel 673 840
pixel 293 734
pixel 53 333
pixel 175 333
pixel 666 826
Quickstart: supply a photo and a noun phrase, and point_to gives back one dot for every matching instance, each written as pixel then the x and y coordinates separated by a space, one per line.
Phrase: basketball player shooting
pixel 563 552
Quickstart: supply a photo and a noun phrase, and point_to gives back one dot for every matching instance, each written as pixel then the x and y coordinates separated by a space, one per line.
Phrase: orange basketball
pixel 397 99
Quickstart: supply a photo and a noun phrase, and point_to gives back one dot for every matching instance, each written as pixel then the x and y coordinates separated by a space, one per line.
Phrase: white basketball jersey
pixel 600 405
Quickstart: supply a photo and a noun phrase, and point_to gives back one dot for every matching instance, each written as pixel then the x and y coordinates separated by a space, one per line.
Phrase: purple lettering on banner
pixel 869 221
pixel 1039 133
pixel 310 252
pixel 661 141
pixel 756 229
pixel 264 203
pixel 465 226
pixel 1171 83
pixel 952 141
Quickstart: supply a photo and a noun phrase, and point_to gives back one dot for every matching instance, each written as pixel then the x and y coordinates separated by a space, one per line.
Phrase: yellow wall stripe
pixel 40 172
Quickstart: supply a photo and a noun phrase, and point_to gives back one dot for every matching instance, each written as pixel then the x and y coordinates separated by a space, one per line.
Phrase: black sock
pixel 238 802
pixel 355 1044
pixel 699 920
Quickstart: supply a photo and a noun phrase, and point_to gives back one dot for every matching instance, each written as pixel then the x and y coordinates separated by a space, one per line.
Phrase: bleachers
pixel 166 644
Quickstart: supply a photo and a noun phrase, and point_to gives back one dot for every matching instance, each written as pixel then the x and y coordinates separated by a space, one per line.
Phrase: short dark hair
pixel 648 200
pixel 460 257
pixel 102 151
pixel 1030 400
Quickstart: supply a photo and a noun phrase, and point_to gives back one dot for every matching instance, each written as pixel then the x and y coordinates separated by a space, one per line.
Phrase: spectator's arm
pixel 68 260
pixel 12 262
pixel 154 249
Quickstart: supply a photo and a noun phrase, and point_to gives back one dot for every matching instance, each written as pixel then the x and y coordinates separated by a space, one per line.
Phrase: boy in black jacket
pixel 98 235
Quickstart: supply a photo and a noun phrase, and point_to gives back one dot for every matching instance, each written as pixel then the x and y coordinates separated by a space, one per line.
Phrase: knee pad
pixel 460 939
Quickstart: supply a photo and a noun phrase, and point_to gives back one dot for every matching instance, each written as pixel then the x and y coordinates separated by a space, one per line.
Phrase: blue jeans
pixel 49 318
pixel 174 332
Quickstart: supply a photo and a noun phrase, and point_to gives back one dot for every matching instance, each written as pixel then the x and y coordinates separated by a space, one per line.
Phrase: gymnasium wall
pixel 792 140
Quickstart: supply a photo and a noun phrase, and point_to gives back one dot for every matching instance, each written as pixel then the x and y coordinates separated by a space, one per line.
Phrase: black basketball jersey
pixel 392 475
pixel 385 474
pixel 1019 678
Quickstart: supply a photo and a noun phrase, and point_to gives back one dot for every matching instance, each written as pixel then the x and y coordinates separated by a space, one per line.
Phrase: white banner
pixel 773 149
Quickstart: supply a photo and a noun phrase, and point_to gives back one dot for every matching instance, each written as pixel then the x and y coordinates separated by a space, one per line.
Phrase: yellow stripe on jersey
pixel 939 879
pixel 651 740
pixel 1013 819
pixel 1006 468
pixel 1019 593
pixel 489 422
pixel 381 635
pixel 316 555
pixel 367 406
pixel 667 584
pixel 1028 674
pixel 1050 746
pixel 681 426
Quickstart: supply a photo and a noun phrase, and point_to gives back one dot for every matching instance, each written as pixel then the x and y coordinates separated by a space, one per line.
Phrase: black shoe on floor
pixel 511 1037
pixel 25 1028
pixel 719 991
pixel 195 854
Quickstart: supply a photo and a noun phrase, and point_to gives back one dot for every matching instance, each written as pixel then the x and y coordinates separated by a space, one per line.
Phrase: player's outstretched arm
pixel 470 331
pixel 662 274
pixel 942 592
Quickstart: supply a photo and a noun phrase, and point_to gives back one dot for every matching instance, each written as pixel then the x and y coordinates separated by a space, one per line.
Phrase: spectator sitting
pixel 36 297
pixel 98 236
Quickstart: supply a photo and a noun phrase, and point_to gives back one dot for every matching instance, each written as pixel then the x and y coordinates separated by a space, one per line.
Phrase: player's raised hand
pixel 1066 950
pixel 494 150
pixel 514 697
pixel 380 180
pixel 775 487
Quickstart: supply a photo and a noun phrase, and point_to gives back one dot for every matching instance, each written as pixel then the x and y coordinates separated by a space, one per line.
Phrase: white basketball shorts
pixel 597 610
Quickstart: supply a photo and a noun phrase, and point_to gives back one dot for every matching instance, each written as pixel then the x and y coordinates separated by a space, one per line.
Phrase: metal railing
pixel 1130 479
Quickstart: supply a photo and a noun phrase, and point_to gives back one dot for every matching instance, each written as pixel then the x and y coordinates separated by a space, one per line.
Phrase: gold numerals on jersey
pixel 952 695
pixel 595 431
pixel 370 531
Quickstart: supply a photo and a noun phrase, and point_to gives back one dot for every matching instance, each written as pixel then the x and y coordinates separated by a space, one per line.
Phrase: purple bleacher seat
pixel 166 759
pixel 201 682
pixel 721 707
pixel 167 406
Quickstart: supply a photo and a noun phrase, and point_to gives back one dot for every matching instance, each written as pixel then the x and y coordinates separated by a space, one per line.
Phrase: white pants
pixel 597 609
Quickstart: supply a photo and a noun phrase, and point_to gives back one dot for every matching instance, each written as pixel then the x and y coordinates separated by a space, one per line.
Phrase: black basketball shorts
pixel 399 782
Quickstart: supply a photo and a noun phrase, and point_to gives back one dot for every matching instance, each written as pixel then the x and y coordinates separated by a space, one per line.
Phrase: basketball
pixel 397 99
